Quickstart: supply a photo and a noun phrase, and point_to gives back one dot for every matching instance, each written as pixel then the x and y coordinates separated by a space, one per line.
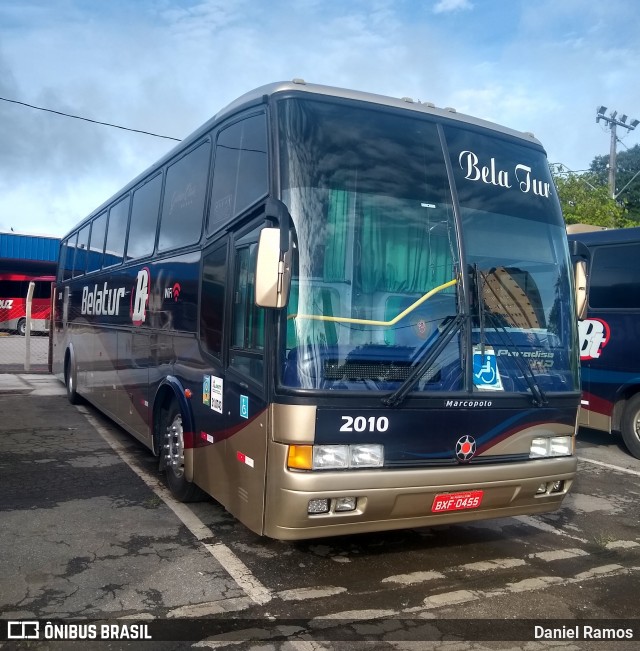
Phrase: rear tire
pixel 70 381
pixel 22 327
pixel 630 426
pixel 172 457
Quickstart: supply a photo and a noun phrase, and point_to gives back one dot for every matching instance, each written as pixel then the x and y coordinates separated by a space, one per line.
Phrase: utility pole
pixel 612 122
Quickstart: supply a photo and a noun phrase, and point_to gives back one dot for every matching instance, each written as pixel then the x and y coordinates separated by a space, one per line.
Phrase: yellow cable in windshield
pixel 344 319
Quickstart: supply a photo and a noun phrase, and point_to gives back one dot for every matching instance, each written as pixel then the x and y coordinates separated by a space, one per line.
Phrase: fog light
pixel 318 506
pixel 345 504
pixel 557 487
pixel 541 489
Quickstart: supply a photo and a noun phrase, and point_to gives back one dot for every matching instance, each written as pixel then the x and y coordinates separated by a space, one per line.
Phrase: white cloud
pixel 447 6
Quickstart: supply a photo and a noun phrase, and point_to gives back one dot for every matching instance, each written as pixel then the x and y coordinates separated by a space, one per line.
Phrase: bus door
pixel 244 386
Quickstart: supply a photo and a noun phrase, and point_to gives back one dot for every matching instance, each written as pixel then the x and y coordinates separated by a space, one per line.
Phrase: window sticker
pixel 216 393
pixel 486 375
pixel 244 406
pixel 206 390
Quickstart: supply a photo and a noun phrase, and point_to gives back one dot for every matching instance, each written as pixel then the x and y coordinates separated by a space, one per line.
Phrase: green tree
pixel 627 183
pixel 585 199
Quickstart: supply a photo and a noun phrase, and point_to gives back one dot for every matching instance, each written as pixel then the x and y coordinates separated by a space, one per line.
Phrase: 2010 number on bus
pixel 363 424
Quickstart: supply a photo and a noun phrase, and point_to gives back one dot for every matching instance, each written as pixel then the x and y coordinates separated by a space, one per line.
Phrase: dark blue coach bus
pixel 334 312
pixel 609 335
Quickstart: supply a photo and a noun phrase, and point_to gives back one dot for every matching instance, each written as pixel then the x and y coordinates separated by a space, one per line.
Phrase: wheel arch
pixel 621 403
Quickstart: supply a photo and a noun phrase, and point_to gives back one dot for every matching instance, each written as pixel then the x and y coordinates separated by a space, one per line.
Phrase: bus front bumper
pixel 388 499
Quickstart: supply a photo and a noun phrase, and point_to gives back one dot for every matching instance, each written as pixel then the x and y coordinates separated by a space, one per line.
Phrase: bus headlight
pixel 551 446
pixel 335 457
pixel 366 456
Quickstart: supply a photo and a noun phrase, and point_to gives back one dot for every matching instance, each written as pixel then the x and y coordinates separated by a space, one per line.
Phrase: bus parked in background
pixel 609 335
pixel 334 312
pixel 13 302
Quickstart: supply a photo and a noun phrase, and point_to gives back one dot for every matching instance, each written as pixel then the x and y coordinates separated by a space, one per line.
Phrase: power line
pixel 77 117
pixel 561 168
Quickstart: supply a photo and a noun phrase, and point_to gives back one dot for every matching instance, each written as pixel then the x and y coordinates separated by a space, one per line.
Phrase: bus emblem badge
pixel 465 448
pixel 140 297
pixel 594 336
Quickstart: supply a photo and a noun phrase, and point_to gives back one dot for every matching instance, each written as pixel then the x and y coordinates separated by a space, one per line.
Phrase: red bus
pixel 13 302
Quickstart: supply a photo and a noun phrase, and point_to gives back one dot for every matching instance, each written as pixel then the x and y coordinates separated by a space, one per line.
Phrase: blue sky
pixel 166 66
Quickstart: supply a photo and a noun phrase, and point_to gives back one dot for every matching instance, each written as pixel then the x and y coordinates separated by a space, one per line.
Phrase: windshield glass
pixel 375 253
pixel 515 248
pixel 375 264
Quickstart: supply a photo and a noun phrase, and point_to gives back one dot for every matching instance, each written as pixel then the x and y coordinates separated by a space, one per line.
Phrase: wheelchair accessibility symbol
pixel 485 369
pixel 244 406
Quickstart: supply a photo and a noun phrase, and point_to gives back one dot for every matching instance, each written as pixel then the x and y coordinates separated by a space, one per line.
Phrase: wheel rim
pixel 174 446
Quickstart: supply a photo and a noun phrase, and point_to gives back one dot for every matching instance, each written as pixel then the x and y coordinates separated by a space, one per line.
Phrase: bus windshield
pixel 379 257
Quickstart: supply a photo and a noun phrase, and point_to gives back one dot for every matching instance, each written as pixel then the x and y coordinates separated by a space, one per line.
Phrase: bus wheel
pixel 22 327
pixel 70 381
pixel 172 458
pixel 631 426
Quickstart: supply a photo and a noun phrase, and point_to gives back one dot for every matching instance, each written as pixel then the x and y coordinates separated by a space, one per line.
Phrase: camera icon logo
pixel 23 630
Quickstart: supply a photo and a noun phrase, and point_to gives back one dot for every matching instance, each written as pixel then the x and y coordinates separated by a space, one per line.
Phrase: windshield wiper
pixel 539 397
pixel 431 352
pixel 481 312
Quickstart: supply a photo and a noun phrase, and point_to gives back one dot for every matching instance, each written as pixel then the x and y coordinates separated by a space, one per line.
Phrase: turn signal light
pixel 300 457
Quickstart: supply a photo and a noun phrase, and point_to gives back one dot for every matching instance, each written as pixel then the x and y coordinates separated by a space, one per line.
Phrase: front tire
pixel 172 457
pixel 630 425
pixel 22 327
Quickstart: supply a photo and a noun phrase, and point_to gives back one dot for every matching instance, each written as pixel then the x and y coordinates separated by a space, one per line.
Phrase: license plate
pixel 456 501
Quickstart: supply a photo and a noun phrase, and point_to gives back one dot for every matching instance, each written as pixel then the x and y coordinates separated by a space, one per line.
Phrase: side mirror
pixel 273 270
pixel 580 274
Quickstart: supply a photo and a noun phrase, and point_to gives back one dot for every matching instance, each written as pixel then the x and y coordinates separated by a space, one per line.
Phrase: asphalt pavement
pixel 89 531
pixel 82 535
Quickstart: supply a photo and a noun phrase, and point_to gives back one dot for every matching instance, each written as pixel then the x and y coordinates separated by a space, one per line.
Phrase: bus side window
pixel 240 176
pixel 144 219
pixel 613 281
pixel 65 265
pixel 116 232
pixel 247 329
pixel 214 278
pixel 96 243
pixel 80 259
pixel 185 193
